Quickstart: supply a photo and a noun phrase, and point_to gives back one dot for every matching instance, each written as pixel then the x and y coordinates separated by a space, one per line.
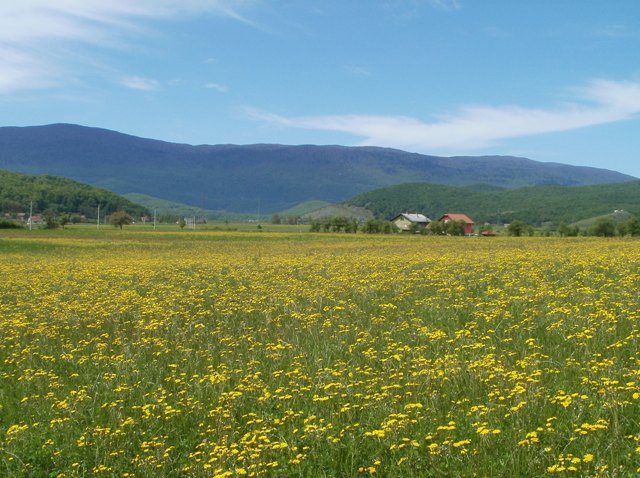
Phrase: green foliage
pixel 633 227
pixel 449 228
pixel 604 227
pixel 305 207
pixel 568 231
pixel 378 226
pixel 9 224
pixel 454 228
pixel 50 220
pixel 334 224
pixel 534 205
pixel 169 212
pixel 519 228
pixel 119 219
pixel 58 196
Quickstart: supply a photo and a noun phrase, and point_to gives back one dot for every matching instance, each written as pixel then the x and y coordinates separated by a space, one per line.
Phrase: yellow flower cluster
pixel 241 354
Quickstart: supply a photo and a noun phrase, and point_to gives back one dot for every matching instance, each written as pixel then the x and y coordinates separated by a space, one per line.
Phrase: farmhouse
pixel 468 223
pixel 407 222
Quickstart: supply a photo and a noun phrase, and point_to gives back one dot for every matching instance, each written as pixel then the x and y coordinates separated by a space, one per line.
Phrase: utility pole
pixel 154 219
pixel 98 223
pixel 30 215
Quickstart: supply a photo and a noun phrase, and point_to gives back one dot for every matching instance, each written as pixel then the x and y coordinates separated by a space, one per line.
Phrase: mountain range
pixel 260 178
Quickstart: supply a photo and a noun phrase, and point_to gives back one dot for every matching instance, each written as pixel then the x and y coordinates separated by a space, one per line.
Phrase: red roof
pixel 458 217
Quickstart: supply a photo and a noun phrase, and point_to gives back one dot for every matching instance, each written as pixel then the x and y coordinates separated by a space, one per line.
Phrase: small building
pixel 468 223
pixel 407 222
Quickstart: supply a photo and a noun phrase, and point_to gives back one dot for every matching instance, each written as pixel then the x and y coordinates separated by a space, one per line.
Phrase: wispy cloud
pixel 473 127
pixel 446 4
pixel 30 30
pixel 357 70
pixel 614 31
pixel 139 83
pixel 410 10
pixel 217 86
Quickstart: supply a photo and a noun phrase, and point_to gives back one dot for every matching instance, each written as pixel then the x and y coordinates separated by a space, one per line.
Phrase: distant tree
pixel 276 219
pixel 573 231
pixel 604 227
pixel 371 226
pixel 339 223
pixel 454 228
pixel 9 224
pixel 315 225
pixel 351 226
pixel 120 218
pixel 437 228
pixel 388 227
pixel 633 227
pixel 64 220
pixel 50 220
pixel 563 229
pixel 182 223
pixel 518 228
pixel 622 229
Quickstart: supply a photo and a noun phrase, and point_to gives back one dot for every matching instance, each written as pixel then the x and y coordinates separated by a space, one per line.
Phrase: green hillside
pixel 304 208
pixel 259 179
pixel 535 205
pixel 172 209
pixel 19 192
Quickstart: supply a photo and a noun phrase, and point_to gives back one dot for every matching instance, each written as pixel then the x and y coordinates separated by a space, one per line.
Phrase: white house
pixel 407 222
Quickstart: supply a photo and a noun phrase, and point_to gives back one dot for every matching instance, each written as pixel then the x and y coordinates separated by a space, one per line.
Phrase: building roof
pixel 413 217
pixel 458 217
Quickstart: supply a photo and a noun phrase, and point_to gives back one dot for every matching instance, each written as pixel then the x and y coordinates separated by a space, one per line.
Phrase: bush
pixel 9 224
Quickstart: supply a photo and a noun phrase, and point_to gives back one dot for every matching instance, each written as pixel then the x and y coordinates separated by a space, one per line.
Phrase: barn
pixel 468 223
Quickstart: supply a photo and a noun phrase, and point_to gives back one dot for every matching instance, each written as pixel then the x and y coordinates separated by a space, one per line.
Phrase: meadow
pixel 223 354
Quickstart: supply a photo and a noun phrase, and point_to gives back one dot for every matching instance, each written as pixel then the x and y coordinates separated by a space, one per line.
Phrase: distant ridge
pixel 260 178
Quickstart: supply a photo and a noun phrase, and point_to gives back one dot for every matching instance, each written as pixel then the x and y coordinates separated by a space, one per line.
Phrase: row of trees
pixel 351 225
pixel 602 227
pixel 381 226
pixel 292 220
pixel 335 224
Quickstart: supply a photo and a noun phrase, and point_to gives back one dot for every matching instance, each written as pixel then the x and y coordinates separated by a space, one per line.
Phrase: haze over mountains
pixel 259 178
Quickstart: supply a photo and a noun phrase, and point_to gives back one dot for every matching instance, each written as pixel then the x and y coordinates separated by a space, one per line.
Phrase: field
pixel 217 353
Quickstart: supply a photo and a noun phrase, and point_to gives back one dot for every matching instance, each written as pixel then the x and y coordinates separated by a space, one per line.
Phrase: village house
pixel 468 223
pixel 407 222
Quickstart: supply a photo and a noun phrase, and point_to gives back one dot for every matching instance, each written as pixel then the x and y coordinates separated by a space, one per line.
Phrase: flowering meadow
pixel 215 354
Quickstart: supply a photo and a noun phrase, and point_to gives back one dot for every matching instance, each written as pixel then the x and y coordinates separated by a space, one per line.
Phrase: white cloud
pixel 218 87
pixel 473 127
pixel 356 70
pixel 33 32
pixel 139 83
pixel 615 31
pixel 446 4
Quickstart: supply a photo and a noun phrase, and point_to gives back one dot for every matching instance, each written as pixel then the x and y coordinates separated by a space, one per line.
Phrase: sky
pixel 551 80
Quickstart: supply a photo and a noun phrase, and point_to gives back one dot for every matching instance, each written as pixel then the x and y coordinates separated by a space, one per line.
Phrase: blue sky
pixel 552 80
